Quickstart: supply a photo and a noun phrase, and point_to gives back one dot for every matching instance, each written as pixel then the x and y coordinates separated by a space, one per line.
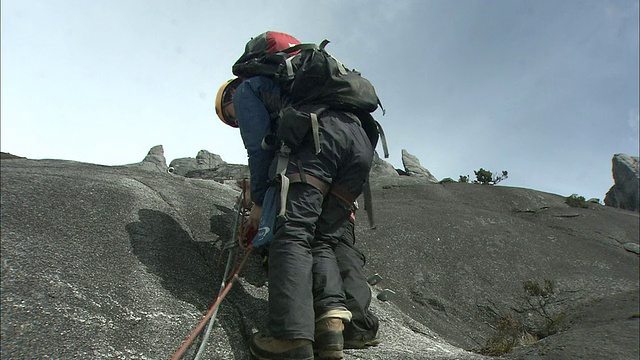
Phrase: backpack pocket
pixel 295 125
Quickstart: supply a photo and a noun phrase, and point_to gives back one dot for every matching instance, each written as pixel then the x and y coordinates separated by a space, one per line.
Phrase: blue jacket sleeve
pixel 254 123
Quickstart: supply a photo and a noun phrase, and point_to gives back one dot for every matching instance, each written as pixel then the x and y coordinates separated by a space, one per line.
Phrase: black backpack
pixel 310 76
pixel 313 77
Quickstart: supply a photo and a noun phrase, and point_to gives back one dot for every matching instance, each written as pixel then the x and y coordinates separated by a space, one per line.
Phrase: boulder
pixel 413 168
pixel 154 161
pixel 203 160
pixel 625 193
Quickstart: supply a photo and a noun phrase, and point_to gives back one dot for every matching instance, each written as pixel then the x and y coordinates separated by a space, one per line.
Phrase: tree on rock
pixel 487 177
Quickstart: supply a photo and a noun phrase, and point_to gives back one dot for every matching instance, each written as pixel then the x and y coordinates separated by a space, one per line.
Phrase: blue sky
pixel 545 89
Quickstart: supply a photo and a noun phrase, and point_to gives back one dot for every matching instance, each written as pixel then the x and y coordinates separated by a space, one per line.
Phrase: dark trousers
pixel 357 292
pixel 304 277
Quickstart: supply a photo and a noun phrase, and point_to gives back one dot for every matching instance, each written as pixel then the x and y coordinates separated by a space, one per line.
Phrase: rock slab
pixel 625 193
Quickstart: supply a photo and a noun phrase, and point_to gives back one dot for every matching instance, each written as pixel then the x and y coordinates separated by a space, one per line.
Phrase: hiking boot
pixel 268 348
pixel 328 342
pixel 360 340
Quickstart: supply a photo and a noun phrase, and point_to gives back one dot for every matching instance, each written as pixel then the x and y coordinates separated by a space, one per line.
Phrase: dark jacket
pixel 258 101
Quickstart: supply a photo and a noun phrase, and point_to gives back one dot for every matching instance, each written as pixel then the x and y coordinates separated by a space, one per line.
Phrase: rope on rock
pixel 185 345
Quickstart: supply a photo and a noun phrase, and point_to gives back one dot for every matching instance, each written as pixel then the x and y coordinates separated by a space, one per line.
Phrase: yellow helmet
pixel 224 98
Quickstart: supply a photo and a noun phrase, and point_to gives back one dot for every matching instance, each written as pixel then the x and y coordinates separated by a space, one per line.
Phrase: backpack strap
pixel 281 172
pixel 315 130
pixel 385 148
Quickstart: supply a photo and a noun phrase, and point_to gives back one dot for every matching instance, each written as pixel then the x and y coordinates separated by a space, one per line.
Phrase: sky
pixel 545 89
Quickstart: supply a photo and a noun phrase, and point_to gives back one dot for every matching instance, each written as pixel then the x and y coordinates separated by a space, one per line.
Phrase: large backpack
pixel 314 81
pixel 311 76
pixel 314 77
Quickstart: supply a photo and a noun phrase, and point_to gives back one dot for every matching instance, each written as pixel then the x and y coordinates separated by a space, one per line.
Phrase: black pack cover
pixel 263 54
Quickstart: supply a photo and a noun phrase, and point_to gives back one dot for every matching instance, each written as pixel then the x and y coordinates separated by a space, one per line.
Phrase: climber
pixel 307 302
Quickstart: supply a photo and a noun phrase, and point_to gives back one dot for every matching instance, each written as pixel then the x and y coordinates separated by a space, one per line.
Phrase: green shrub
pixel 464 179
pixel 576 201
pixel 540 297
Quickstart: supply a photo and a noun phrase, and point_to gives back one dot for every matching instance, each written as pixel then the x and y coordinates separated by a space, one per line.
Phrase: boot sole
pixel 260 357
pixel 356 344
pixel 329 354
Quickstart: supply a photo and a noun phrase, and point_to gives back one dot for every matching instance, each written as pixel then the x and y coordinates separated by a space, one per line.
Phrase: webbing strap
pixel 384 140
pixel 317 183
pixel 348 198
pixel 281 171
pixel 284 189
pixel 343 194
pixel 336 190
pixel 289 67
pixel 315 129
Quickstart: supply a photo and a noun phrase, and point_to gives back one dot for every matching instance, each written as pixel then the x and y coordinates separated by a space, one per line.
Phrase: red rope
pixel 185 345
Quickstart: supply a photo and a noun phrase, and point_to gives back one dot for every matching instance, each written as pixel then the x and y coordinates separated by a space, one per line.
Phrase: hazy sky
pixel 545 89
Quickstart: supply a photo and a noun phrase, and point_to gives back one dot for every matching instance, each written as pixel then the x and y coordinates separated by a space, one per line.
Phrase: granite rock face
pixel 117 262
pixel 625 193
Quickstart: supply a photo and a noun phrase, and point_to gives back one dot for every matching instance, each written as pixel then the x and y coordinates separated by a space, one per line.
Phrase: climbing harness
pixel 232 269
